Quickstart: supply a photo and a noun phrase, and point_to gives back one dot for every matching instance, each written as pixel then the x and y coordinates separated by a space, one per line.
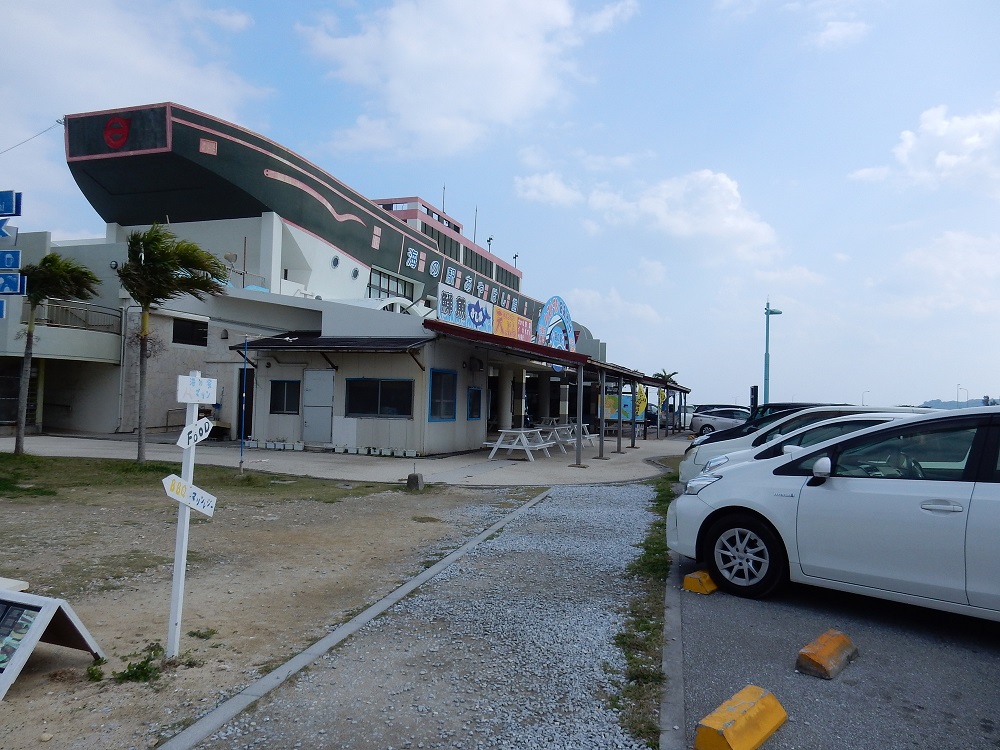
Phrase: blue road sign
pixel 12 283
pixel 10 260
pixel 3 228
pixel 3 308
pixel 10 203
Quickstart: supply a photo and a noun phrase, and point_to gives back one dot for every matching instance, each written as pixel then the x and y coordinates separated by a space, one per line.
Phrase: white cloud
pixel 794 277
pixel 700 204
pixel 870 174
pixel 615 162
pixel 958 151
pixel 957 271
pixel 839 34
pixel 547 188
pixel 66 57
pixel 443 73
pixel 609 305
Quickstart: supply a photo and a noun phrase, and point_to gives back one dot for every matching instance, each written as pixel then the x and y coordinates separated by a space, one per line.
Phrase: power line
pixel 57 122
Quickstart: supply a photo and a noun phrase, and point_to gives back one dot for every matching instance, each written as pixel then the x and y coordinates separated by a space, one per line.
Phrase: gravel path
pixel 510 647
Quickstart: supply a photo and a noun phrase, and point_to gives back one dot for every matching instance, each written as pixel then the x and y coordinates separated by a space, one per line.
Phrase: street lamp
pixel 958 388
pixel 863 397
pixel 768 312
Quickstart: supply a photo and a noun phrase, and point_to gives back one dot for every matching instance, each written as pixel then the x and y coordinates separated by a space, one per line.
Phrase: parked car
pixel 772 407
pixel 704 422
pixel 784 423
pixel 908 511
pixel 803 438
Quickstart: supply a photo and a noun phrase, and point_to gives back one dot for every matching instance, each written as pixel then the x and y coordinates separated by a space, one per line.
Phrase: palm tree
pixel 53 277
pixel 666 377
pixel 162 267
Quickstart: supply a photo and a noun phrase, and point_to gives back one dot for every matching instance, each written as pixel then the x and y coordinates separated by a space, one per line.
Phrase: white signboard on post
pixel 192 389
pixel 191 495
pixel 195 433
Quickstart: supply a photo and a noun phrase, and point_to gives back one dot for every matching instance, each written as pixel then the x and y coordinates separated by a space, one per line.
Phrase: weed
pixel 146 669
pixel 641 641
pixel 203 634
pixel 94 671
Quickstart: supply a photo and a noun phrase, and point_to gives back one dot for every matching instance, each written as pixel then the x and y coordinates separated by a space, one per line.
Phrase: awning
pixel 312 341
pixel 508 345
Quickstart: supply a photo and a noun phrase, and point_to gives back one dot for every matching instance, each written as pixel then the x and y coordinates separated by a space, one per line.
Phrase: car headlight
pixel 700 482
pixel 699 440
pixel 715 462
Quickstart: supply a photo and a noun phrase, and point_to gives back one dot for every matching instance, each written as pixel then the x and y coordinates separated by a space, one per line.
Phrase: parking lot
pixel 923 679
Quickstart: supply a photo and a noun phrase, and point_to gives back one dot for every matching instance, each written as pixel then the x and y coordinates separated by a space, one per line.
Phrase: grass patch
pixel 641 641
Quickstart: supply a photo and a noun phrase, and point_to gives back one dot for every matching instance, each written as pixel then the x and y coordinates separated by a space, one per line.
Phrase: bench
pixel 527 440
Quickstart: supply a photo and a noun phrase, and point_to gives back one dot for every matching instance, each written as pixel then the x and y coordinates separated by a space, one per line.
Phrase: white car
pixel 802 438
pixel 908 510
pixel 695 460
pixel 705 422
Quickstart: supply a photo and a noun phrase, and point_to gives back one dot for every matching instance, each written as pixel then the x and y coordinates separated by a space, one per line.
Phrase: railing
pixel 68 314
pixel 245 279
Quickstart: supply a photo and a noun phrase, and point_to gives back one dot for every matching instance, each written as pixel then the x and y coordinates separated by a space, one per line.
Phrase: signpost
pixel 193 390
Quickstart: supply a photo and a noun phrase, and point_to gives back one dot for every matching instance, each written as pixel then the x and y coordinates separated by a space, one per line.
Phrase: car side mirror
pixel 789 449
pixel 821 471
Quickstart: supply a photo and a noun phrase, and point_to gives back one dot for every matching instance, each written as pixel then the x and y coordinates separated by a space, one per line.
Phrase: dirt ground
pixel 266 578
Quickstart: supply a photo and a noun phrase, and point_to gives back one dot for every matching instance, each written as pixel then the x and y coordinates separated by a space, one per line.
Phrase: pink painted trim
pixel 287 180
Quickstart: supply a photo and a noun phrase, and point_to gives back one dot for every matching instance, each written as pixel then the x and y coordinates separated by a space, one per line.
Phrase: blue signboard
pixel 12 283
pixel 3 308
pixel 10 260
pixel 10 203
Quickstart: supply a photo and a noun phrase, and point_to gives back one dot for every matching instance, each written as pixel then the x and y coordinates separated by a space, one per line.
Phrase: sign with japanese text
pixel 195 390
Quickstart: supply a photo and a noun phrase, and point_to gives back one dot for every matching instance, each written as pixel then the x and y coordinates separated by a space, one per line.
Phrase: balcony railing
pixel 69 314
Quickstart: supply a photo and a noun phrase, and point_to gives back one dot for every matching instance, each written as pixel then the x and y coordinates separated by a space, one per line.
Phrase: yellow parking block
pixel 743 722
pixel 699 582
pixel 827 656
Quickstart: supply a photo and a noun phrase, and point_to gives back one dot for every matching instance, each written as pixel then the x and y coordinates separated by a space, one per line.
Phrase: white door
pixel 893 515
pixel 317 406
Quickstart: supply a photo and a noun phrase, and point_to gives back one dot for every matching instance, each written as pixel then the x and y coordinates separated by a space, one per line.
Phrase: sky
pixel 667 168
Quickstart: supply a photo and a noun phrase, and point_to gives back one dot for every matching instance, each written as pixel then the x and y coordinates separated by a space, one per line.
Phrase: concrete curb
pixel 225 712
pixel 672 728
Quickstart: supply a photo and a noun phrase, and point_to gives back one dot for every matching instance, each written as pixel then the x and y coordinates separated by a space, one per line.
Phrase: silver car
pixel 704 422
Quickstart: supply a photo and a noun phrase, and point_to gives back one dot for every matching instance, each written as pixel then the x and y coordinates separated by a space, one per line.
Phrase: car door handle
pixel 941 505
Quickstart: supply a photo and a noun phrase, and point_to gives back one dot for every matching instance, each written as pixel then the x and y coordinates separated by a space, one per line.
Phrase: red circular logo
pixel 116 131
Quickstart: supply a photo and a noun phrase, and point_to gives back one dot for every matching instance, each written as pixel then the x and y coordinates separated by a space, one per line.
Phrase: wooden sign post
pixel 193 390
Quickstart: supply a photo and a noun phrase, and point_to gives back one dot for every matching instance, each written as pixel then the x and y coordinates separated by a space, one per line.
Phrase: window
pixel 285 396
pixel 443 395
pixel 191 332
pixel 475 410
pixel 371 397
pixel 912 454
pixel 937 452
pixel 382 285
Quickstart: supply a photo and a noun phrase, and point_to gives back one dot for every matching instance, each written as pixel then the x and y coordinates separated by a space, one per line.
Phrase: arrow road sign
pixel 192 496
pixel 4 232
pixel 195 433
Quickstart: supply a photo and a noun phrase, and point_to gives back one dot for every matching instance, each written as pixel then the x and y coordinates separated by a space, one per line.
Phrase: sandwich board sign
pixel 26 619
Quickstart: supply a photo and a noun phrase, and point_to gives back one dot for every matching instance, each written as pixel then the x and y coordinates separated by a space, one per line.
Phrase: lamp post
pixel 863 397
pixel 768 312
pixel 958 388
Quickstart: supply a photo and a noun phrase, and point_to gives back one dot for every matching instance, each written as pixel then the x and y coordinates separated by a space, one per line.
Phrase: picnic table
pixel 528 440
pixel 560 434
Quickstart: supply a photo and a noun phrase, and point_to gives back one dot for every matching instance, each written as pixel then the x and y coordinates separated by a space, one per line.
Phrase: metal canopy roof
pixel 312 341
pixel 508 345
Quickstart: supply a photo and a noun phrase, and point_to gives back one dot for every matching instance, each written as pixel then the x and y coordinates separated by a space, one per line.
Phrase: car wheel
pixel 706 429
pixel 745 556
